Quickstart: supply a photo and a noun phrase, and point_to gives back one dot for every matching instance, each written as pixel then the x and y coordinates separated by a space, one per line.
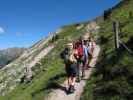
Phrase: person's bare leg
pixel 69 81
pixel 78 73
pixel 86 64
pixel 83 70
pixel 73 83
pixel 73 80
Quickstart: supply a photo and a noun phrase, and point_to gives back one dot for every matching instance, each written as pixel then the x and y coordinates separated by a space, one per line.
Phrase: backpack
pixel 80 52
pixel 65 55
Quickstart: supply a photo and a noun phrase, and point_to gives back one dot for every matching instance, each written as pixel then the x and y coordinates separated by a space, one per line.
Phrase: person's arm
pixel 76 54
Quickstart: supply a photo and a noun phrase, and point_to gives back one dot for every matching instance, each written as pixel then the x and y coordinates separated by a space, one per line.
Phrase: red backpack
pixel 80 51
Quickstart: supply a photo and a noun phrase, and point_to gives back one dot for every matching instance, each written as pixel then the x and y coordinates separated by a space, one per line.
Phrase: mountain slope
pixel 12 73
pixel 48 70
pixel 10 54
pixel 113 77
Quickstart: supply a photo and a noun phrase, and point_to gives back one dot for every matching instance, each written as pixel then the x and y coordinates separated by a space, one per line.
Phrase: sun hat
pixel 85 37
pixel 69 44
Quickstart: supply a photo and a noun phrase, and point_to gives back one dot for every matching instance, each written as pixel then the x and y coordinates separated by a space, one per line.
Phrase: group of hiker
pixel 79 56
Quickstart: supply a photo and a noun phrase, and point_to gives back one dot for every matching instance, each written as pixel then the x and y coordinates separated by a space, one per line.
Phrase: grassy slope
pixel 113 77
pixel 49 74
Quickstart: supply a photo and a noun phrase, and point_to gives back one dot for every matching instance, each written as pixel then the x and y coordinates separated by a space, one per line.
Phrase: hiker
pixel 79 58
pixel 86 54
pixel 92 45
pixel 94 51
pixel 70 66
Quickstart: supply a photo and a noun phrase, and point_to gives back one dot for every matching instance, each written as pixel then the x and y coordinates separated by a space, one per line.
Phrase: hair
pixel 85 42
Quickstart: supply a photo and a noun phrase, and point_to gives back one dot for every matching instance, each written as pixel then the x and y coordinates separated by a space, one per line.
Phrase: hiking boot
pixel 71 89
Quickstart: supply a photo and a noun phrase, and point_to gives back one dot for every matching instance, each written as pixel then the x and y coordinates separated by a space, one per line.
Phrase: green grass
pixel 113 78
pixel 49 74
pixel 90 86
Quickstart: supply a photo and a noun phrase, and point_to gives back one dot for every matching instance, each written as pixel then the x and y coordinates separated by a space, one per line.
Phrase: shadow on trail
pixel 53 83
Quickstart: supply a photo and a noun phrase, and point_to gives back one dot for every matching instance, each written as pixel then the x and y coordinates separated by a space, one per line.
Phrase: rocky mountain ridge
pixel 12 73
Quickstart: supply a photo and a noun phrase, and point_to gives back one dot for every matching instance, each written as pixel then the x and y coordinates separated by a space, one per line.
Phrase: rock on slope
pixel 12 73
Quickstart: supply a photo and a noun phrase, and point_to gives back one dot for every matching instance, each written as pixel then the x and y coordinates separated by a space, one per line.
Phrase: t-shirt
pixel 86 51
pixel 92 46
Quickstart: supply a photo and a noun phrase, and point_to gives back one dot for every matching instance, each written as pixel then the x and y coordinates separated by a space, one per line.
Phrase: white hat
pixel 69 44
pixel 85 37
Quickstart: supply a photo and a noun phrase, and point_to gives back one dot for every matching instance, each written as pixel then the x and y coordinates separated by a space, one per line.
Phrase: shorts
pixel 80 60
pixel 71 69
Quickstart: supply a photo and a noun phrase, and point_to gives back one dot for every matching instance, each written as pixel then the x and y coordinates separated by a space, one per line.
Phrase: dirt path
pixel 41 55
pixel 60 94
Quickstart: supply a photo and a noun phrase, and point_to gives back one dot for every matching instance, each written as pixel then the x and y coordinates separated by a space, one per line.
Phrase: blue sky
pixel 24 22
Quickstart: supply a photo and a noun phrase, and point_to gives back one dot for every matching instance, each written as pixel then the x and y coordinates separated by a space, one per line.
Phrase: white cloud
pixel 2 30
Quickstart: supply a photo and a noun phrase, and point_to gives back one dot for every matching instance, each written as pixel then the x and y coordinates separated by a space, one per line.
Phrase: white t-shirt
pixel 92 45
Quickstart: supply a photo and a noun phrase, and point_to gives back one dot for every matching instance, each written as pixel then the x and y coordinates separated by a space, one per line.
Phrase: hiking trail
pixel 60 93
